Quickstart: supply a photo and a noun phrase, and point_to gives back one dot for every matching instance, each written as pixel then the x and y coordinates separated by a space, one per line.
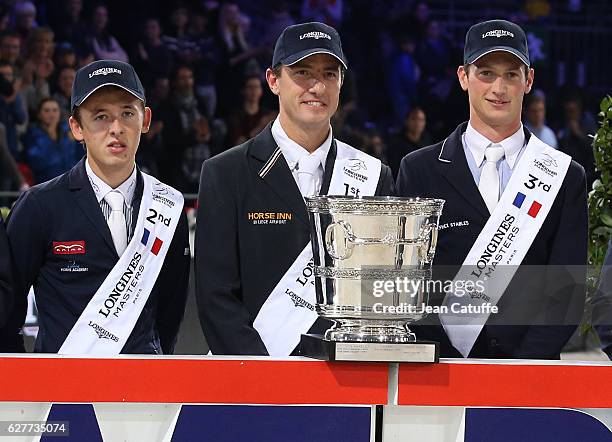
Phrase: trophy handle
pixel 344 235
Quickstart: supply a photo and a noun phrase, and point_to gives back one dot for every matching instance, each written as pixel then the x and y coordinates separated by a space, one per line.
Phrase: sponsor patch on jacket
pixel 269 217
pixel 68 247
pixel 72 267
pixel 454 224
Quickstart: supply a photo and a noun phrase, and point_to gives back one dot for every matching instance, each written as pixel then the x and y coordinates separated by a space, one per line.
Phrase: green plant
pixel 600 211
pixel 600 198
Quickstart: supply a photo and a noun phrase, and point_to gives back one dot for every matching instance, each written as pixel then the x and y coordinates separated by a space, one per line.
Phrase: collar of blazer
pixel 454 168
pixel 274 170
pixel 80 187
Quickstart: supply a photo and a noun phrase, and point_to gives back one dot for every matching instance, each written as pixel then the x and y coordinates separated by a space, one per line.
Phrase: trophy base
pixel 362 330
pixel 318 347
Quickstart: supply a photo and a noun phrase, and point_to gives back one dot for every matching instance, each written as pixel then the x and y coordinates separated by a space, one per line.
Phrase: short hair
pixel 533 99
pixel 177 69
pixel 45 101
pixel 250 77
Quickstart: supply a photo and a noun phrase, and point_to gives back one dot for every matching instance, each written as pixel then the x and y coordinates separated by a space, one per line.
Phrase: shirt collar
pixel 293 152
pixel 477 143
pixel 101 189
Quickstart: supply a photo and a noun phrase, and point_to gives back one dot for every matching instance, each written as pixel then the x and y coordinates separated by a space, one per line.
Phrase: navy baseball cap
pixel 495 35
pixel 302 40
pixel 102 73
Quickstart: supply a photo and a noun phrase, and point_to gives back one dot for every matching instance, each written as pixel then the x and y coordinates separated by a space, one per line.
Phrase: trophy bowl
pixel 372 260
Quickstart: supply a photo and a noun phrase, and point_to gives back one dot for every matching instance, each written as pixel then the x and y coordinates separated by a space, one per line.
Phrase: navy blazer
pixel 65 209
pixel 239 263
pixel 441 171
pixel 6 289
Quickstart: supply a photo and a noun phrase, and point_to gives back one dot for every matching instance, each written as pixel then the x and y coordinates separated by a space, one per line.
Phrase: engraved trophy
pixel 372 261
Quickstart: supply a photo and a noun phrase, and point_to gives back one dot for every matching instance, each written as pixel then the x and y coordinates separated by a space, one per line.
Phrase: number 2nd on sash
pixel 351 191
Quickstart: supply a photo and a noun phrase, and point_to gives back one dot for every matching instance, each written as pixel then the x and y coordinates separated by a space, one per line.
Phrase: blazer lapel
pixel 85 199
pixel 274 170
pixel 454 168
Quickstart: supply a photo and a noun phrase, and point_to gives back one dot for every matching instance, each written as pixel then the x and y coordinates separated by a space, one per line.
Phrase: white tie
pixel 116 220
pixel 307 166
pixel 489 178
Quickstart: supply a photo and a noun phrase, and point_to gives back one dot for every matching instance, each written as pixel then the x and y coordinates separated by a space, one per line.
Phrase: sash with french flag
pixel 504 241
pixel 157 243
pixel 110 316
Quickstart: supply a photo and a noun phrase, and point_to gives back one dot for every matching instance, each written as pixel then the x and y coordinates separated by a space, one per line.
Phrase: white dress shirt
pixel 474 145
pixel 293 152
pixel 101 189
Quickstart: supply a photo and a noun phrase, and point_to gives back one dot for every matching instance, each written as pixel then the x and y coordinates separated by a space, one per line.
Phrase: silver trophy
pixel 372 261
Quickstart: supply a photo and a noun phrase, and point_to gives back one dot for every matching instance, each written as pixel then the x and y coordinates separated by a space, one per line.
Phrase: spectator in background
pixel 12 107
pixel 65 56
pixel 101 43
pixel 324 11
pixel 49 149
pixel 10 48
pixel 151 150
pixel 376 146
pixel 5 18
pixel 177 39
pixel 574 137
pixel 205 60
pixel 24 19
pixel 67 22
pixel 434 57
pixel 179 115
pixel 63 91
pixel 535 118
pixel 237 57
pixel 403 78
pixel 37 68
pixel 412 20
pixel 207 141
pixel 250 118
pixel 279 19
pixel 151 58
pixel 10 176
pixel 412 137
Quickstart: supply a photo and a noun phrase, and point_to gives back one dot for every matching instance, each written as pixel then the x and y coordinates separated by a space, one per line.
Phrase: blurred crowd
pixel 203 66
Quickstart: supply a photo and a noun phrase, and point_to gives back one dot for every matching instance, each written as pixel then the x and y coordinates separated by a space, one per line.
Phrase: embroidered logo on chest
pixel 68 247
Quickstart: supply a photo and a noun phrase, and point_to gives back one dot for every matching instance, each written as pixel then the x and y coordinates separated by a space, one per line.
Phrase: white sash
pixel 504 240
pixel 111 314
pixel 289 311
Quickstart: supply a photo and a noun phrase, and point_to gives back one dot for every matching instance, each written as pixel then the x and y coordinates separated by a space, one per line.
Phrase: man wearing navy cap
pixel 510 200
pixel 254 280
pixel 105 246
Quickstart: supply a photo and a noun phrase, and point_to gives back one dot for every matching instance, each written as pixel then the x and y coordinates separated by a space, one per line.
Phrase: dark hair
pixel 42 103
pixel 250 77
pixel 6 63
pixel 177 69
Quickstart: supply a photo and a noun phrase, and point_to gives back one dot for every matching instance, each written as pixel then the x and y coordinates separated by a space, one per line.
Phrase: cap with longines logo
pixel 302 40
pixel 102 73
pixel 495 35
